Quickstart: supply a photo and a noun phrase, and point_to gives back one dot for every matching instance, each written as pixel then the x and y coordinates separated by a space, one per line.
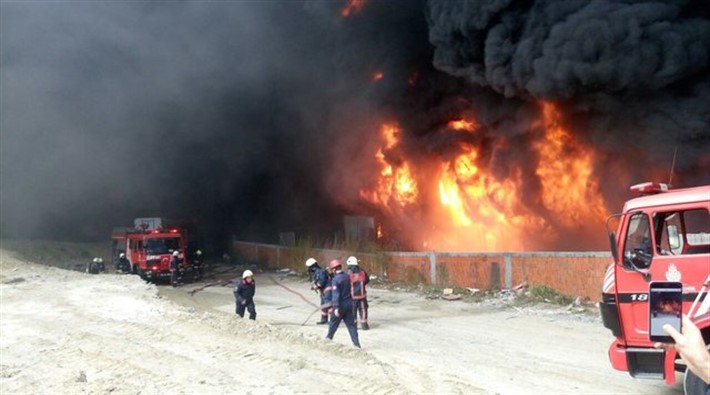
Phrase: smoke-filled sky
pixel 255 116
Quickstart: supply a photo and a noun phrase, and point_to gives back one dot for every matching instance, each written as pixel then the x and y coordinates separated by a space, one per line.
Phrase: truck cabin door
pixel 632 276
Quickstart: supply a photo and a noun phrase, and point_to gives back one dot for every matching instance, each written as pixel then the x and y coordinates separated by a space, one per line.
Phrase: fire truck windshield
pixel 162 245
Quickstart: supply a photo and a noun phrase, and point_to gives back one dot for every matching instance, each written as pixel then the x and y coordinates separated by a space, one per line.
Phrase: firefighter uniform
pixel 174 269
pixel 96 266
pixel 197 265
pixel 244 295
pixel 322 285
pixel 122 264
pixel 343 306
pixel 358 281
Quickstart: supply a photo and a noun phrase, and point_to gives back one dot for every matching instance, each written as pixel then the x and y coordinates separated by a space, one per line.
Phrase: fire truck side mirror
pixel 613 222
pixel 612 246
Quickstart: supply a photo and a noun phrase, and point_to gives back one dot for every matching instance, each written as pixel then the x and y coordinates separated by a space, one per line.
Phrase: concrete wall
pixel 570 273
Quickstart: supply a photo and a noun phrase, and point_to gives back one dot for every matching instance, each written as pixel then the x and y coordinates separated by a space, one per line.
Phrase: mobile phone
pixel 665 307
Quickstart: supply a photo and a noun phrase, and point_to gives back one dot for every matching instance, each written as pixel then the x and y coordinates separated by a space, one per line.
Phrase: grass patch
pixel 59 254
pixel 543 294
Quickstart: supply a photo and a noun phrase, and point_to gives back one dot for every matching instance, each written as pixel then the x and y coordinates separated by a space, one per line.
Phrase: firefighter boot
pixel 365 326
pixel 323 320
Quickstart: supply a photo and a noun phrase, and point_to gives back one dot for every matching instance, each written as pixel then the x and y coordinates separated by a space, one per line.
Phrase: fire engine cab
pixel 662 234
pixel 149 247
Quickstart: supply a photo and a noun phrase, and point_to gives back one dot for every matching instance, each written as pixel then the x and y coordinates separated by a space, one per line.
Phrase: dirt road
pixel 70 332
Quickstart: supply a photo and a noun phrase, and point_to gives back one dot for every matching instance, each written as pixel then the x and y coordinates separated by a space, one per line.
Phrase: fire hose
pixel 300 295
pixel 321 307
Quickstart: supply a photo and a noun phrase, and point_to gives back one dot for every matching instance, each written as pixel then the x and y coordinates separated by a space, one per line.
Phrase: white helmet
pixel 247 273
pixel 352 261
pixel 121 255
pixel 175 253
pixel 310 262
pixel 198 252
pixel 96 259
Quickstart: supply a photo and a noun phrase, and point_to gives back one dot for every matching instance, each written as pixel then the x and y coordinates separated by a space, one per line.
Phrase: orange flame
pixel 463 124
pixel 351 7
pixel 481 209
pixel 396 184
pixel 463 206
pixel 565 169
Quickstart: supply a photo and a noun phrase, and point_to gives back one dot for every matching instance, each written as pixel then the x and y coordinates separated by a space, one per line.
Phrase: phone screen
pixel 665 307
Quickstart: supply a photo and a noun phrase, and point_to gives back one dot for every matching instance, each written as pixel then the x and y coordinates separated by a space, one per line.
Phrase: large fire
pixel 456 203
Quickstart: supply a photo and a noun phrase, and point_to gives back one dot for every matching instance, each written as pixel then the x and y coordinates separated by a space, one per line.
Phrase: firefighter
pixel 175 269
pixel 320 280
pixel 244 295
pixel 343 305
pixel 358 281
pixel 197 265
pixel 122 264
pixel 95 266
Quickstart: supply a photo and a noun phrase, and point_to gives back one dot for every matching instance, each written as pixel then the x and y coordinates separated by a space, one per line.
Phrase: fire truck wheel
pixel 693 385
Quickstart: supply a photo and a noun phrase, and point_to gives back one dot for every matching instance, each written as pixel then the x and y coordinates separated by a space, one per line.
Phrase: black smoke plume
pixel 252 116
pixel 632 76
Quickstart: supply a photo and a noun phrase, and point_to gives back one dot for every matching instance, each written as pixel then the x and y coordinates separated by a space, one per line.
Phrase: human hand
pixel 336 312
pixel 691 347
pixel 244 302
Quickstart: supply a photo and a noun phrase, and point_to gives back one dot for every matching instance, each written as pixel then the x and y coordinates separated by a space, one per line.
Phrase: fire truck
pixel 149 246
pixel 662 234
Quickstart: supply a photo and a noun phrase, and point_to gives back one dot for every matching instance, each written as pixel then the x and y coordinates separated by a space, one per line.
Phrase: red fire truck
pixel 663 235
pixel 149 247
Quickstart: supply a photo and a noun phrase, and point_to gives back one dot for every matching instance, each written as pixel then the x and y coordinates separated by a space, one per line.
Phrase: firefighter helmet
pixel 175 253
pixel 310 262
pixel 121 255
pixel 96 260
pixel 198 252
pixel 352 261
pixel 335 263
pixel 247 273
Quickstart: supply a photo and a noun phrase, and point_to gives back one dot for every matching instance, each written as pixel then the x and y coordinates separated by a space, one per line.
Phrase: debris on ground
pixel 520 288
pixel 448 294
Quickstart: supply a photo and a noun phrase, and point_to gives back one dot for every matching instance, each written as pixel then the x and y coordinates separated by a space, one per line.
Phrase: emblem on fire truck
pixel 673 274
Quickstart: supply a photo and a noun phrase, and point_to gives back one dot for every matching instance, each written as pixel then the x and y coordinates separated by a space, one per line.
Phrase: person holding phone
pixel 691 347
pixel 665 307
